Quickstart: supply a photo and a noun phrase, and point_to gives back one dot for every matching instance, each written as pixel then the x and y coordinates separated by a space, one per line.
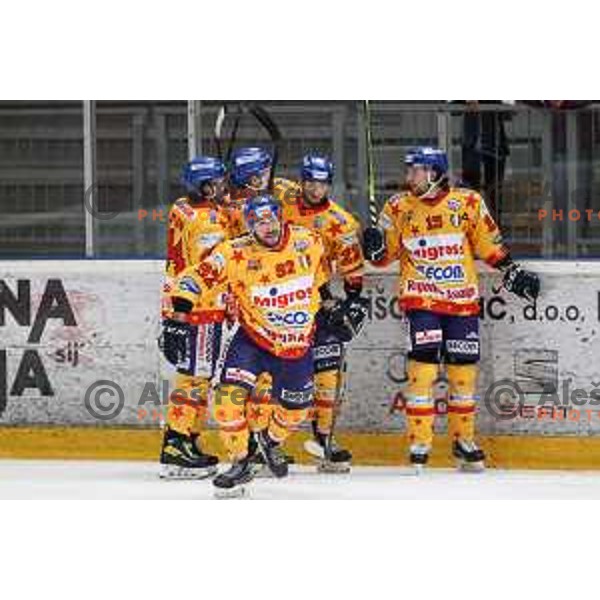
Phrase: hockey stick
pixel 218 131
pixel 340 391
pixel 373 209
pixel 222 114
pixel 234 131
pixel 310 445
pixel 265 119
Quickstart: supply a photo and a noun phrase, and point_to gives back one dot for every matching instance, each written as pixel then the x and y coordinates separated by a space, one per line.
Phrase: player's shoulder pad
pixel 343 216
pixel 466 193
pixel 400 198
pixel 241 241
pixel 220 253
pixel 304 233
pixel 471 200
pixel 463 189
pixel 285 188
pixel 181 209
pixel 393 208
pixel 398 202
pixel 338 214
pixel 284 182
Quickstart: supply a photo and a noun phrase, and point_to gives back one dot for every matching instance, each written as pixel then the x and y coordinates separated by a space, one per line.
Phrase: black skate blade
pixel 329 467
pixel 175 473
pixel 233 493
pixel 470 467
pixel 323 465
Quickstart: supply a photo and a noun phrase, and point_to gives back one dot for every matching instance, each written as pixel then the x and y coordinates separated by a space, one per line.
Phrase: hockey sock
pixel 419 402
pixel 259 404
pixel 461 402
pixel 187 408
pixel 229 410
pixel 283 421
pixel 200 389
pixel 326 388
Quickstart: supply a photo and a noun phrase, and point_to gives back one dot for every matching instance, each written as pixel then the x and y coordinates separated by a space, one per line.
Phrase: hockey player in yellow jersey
pixel 276 273
pixel 308 204
pixel 197 223
pixel 250 173
pixel 249 176
pixel 436 232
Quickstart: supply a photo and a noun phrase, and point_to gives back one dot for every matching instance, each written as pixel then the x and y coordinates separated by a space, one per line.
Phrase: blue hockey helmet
pixel 246 162
pixel 260 208
pixel 429 157
pixel 316 167
pixel 201 169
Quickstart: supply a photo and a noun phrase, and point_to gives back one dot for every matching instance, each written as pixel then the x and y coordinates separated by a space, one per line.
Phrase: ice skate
pixel 181 458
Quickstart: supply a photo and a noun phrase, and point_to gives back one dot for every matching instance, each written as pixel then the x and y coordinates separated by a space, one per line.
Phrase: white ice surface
pixel 53 479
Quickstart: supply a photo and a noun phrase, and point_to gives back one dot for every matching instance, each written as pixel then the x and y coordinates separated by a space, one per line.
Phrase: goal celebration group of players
pixel 257 337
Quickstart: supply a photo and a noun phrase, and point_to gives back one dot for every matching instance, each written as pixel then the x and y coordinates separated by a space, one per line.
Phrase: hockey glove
pixel 175 342
pixel 346 318
pixel 522 283
pixel 374 244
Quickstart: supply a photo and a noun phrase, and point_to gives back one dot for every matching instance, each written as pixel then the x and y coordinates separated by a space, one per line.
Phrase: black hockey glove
pixel 374 244
pixel 522 283
pixel 346 318
pixel 175 342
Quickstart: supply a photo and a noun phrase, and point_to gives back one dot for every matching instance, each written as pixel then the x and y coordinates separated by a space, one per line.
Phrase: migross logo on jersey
pixel 297 291
pixel 452 272
pixel 436 247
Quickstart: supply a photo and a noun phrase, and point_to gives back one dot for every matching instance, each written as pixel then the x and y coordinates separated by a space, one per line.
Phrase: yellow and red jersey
pixel 235 212
pixel 437 243
pixel 276 290
pixel 338 229
pixel 193 232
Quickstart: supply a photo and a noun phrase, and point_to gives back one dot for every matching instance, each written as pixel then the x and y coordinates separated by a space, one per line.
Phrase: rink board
pixel 65 326
pixel 377 449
